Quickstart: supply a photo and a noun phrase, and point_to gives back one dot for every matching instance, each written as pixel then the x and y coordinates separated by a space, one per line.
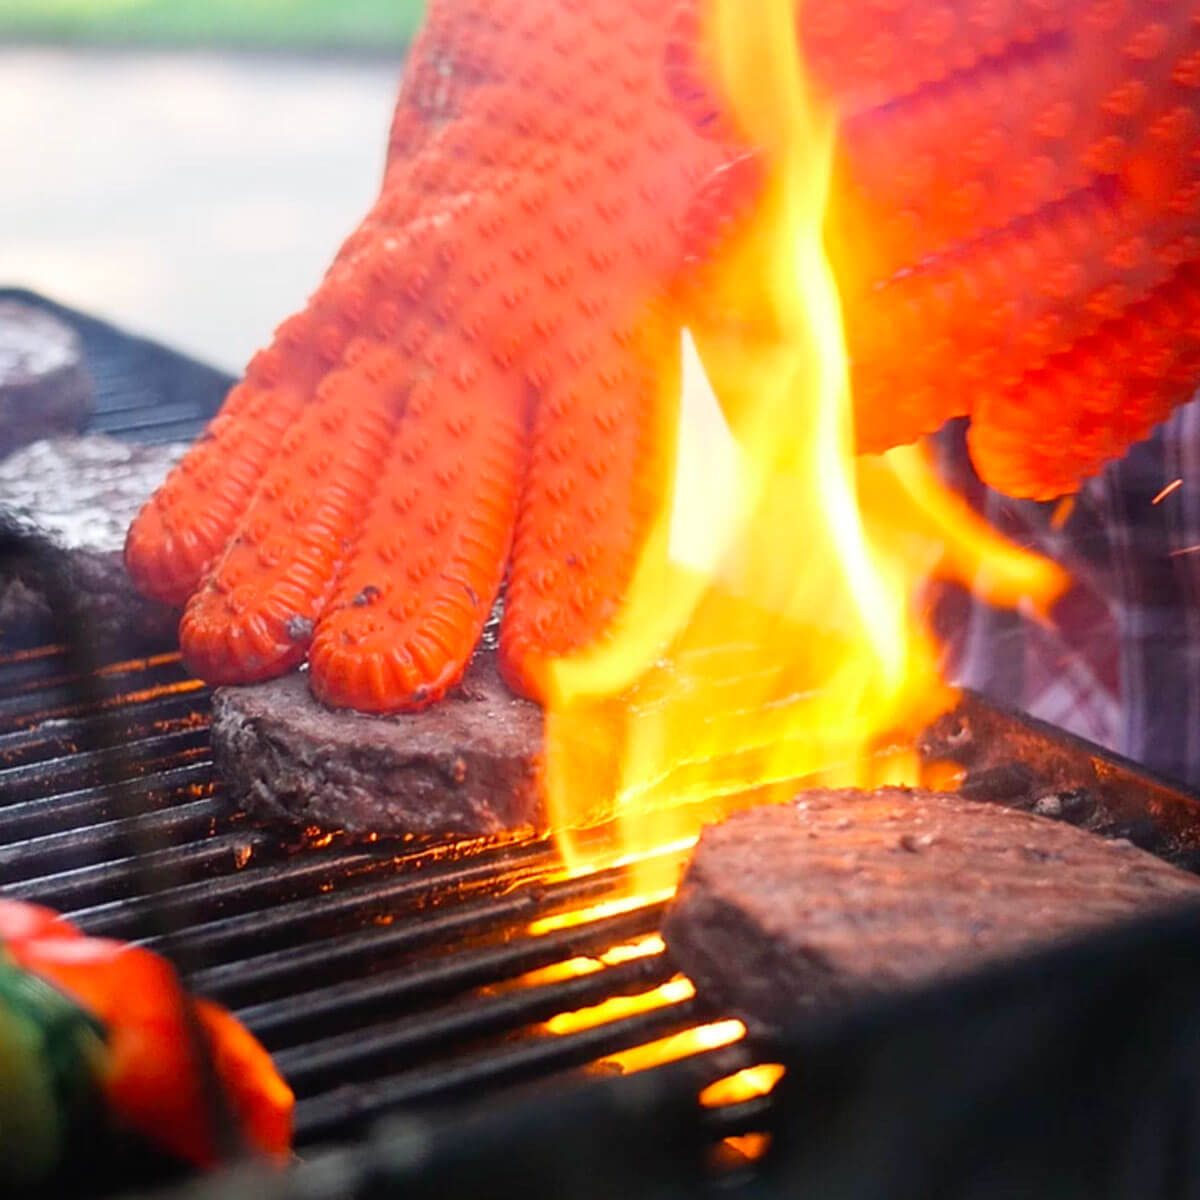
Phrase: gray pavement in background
pixel 194 198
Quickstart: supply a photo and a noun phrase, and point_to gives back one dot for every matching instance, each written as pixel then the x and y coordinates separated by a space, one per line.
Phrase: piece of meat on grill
pixel 465 767
pixel 79 494
pixel 790 909
pixel 44 388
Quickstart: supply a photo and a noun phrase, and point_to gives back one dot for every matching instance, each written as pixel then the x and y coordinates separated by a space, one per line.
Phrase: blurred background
pixel 187 168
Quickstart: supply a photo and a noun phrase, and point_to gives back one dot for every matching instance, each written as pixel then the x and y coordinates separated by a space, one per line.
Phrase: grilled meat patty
pixel 44 389
pixel 788 909
pixel 79 494
pixel 466 766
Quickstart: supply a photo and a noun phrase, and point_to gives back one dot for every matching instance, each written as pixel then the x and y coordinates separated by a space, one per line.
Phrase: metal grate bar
pixel 383 974
pixel 363 993
pixel 56 704
pixel 134 421
pixel 103 883
pixel 478 897
pixel 356 1054
pixel 343 1111
pixel 48 739
pixel 175 823
pixel 24 787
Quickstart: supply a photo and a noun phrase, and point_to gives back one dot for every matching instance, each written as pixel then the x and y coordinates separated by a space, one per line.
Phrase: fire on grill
pixel 385 965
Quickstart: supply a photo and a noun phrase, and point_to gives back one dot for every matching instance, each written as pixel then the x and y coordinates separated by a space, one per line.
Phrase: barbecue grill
pixel 409 991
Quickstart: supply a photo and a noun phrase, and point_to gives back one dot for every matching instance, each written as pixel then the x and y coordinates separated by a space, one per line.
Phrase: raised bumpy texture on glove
pixel 487 374
pixel 487 363
pixel 1015 233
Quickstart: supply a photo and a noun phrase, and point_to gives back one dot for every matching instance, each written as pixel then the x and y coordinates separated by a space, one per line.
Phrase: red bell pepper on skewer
pixel 149 1076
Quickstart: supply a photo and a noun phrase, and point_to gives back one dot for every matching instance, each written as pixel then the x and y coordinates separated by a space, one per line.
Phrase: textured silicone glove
pixel 488 373
pixel 491 351
pixel 1017 235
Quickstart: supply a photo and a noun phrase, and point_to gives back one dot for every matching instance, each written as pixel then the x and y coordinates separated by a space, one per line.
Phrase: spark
pixel 1062 513
pixel 1173 486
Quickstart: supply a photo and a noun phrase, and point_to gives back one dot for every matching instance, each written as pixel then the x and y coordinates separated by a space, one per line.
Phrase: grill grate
pixel 377 975
pixel 390 975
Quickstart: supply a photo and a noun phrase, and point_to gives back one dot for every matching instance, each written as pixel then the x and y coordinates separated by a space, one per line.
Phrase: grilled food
pixel 44 388
pixel 465 767
pixel 790 909
pixel 80 493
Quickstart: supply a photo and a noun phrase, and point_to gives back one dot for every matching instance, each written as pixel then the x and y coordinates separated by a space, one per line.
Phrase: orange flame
pixel 768 633
pixel 747 1084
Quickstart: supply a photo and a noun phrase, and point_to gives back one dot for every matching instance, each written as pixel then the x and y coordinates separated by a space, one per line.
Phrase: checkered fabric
pixel 1120 662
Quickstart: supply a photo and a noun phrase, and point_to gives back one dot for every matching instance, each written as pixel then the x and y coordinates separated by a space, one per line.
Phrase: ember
pixel 751 1081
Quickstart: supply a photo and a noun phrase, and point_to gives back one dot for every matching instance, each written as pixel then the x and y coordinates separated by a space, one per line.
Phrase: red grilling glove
pixel 488 374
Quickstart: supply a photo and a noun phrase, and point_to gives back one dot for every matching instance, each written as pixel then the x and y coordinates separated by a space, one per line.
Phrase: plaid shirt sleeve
pixel 1120 663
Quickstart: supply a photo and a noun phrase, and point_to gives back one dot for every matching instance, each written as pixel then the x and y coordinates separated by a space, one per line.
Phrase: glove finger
pixel 1089 405
pixel 411 602
pixel 922 175
pixel 253 616
pixel 869 54
pixel 973 246
pixel 599 467
pixel 186 523
pixel 875 52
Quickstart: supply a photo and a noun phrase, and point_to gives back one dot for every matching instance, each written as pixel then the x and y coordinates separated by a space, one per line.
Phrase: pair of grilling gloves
pixel 483 387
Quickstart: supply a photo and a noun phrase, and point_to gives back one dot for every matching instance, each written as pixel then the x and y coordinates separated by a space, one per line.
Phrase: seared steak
pixel 466 766
pixel 44 389
pixel 80 494
pixel 787 909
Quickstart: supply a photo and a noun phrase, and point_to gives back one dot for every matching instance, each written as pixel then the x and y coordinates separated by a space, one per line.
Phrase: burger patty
pixel 467 766
pixel 788 909
pixel 79 495
pixel 44 389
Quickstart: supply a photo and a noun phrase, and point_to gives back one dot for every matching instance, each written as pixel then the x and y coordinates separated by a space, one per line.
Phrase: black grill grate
pixel 377 975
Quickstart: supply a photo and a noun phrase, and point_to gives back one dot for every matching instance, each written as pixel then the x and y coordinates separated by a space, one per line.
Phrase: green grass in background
pixel 283 24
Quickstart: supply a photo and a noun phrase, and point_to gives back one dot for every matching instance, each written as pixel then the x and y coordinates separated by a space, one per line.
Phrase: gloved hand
pixel 491 363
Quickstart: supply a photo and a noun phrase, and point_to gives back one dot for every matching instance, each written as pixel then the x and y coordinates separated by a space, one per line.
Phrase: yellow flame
pixel 749 1147
pixel 698 1040
pixel 747 1084
pixel 573 968
pixel 767 635
pixel 617 1008
pixel 595 912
